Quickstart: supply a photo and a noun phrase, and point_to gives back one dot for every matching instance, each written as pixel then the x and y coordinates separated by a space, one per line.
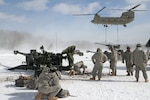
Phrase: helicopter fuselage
pixel 125 18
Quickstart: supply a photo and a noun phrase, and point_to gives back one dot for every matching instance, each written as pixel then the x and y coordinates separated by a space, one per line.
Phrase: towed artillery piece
pixel 34 59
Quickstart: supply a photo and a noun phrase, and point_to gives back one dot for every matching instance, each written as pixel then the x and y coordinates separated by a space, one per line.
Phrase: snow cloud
pixel 35 5
pixel 70 9
pixel 11 17
pixel 21 40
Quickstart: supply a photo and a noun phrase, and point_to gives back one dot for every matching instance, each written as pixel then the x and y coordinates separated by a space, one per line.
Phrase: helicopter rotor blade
pixel 126 10
pixel 139 10
pixel 100 10
pixel 82 14
pixel 89 14
pixel 118 9
pixel 134 7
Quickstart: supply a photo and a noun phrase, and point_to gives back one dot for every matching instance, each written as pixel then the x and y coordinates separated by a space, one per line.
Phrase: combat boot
pixel 128 74
pixel 146 80
pixel 52 98
pixel 93 78
pixel 39 96
pixel 113 74
pixel 137 79
pixel 132 73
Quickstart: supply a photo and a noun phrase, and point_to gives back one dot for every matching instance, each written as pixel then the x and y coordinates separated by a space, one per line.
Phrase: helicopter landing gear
pixel 125 25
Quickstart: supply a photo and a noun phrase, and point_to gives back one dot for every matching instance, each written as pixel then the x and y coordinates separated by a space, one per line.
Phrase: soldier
pixel 49 86
pixel 127 58
pixel 140 61
pixel 78 66
pixel 70 52
pixel 148 54
pixel 98 59
pixel 113 60
pixel 42 49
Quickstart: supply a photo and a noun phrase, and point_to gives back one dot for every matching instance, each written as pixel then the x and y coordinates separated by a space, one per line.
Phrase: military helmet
pixel 138 45
pixel 128 47
pixel 99 49
pixel 42 47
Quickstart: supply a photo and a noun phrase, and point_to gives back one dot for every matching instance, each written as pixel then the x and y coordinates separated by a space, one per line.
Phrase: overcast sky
pixel 54 19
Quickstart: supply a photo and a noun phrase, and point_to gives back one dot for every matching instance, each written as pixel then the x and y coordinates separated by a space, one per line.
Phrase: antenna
pixel 56 42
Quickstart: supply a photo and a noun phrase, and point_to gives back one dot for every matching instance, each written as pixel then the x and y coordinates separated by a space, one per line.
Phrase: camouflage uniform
pixel 70 52
pixel 48 83
pixel 78 66
pixel 98 59
pixel 140 61
pixel 127 58
pixel 113 60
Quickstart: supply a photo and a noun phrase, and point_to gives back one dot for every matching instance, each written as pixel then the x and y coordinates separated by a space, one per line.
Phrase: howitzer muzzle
pixel 15 52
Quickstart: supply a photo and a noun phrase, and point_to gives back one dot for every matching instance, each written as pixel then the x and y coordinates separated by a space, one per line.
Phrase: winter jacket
pixel 114 55
pixel 48 83
pixel 127 57
pixel 99 58
pixel 139 57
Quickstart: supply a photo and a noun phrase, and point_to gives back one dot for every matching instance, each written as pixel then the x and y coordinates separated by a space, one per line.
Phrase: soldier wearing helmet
pixel 128 61
pixel 98 59
pixel 140 61
pixel 113 60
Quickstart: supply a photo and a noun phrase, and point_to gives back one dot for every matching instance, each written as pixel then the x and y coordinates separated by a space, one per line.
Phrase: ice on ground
pixel 120 87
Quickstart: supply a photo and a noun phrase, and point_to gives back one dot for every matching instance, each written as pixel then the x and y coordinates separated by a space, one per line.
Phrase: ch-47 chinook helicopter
pixel 124 19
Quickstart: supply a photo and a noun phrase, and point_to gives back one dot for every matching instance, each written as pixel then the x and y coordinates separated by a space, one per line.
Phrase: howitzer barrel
pixel 90 51
pixel 17 52
pixel 78 52
pixel 109 45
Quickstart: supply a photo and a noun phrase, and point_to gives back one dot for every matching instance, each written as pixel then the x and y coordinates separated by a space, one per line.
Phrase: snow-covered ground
pixel 120 87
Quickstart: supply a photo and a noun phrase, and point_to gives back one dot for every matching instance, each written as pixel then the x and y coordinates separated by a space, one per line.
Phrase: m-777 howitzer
pixel 109 45
pixel 34 59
